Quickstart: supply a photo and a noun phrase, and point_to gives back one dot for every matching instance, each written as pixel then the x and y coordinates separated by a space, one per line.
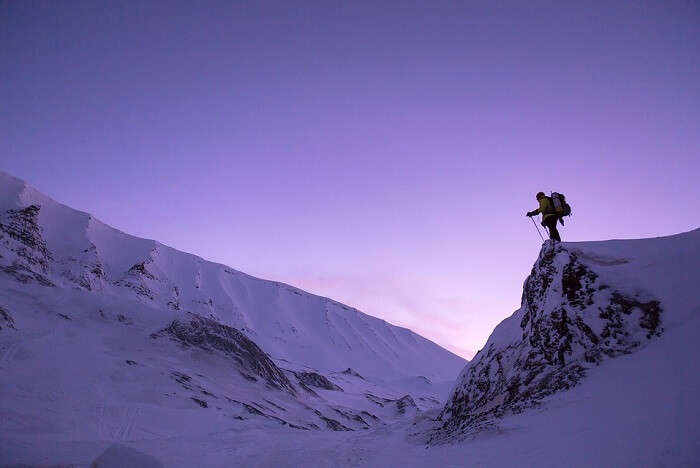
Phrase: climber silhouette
pixel 549 215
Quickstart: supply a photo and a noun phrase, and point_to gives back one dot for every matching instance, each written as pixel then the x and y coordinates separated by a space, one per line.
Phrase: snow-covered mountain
pixel 46 243
pixel 125 352
pixel 105 337
pixel 583 306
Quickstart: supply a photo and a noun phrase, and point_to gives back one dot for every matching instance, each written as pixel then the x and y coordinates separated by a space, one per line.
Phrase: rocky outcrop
pixel 27 258
pixel 332 424
pixel 140 279
pixel 207 334
pixel 314 379
pixel 6 319
pixel 569 320
pixel 405 404
pixel 356 419
pixel 352 372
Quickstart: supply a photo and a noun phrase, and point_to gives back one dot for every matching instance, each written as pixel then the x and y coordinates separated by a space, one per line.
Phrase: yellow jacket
pixel 546 208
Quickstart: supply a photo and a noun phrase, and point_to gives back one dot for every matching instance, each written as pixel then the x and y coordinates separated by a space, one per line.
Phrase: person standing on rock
pixel 549 215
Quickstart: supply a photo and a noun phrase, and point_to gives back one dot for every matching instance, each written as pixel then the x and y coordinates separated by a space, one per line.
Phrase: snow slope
pixel 76 366
pixel 63 247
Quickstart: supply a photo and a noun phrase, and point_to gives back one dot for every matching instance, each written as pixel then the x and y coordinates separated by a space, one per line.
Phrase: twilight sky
pixel 379 153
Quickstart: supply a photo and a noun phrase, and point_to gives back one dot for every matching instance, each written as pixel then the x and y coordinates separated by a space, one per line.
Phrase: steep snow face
pixel 46 243
pixel 583 304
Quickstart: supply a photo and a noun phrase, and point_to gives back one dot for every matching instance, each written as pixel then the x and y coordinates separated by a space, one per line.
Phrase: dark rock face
pixel 212 336
pixel 371 417
pixel 138 279
pixel 380 401
pixel 570 322
pixel 352 417
pixel 402 405
pixel 201 403
pixel 331 423
pixel 314 379
pixel 6 319
pixel 405 403
pixel 350 371
pixel 21 235
pixel 29 260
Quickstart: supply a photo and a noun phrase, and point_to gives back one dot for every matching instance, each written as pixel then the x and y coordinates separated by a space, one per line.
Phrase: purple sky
pixel 380 153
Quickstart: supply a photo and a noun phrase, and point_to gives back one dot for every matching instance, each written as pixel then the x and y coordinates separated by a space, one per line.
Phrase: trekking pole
pixel 538 229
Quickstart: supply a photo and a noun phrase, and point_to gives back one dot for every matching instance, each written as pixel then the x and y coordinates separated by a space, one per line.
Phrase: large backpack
pixel 561 208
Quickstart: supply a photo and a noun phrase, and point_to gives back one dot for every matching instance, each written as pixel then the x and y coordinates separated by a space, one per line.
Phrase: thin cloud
pixel 399 301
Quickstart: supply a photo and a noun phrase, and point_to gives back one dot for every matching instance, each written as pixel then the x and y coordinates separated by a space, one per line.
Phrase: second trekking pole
pixel 538 229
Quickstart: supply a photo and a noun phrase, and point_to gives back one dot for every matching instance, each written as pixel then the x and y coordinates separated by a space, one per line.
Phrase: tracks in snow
pixel 8 352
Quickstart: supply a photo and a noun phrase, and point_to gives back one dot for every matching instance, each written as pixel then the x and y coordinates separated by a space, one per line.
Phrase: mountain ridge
pixel 75 248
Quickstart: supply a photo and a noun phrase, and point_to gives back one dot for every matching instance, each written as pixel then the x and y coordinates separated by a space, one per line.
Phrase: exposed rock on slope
pixel 405 404
pixel 6 319
pixel 569 320
pixel 21 234
pixel 352 372
pixel 315 379
pixel 213 336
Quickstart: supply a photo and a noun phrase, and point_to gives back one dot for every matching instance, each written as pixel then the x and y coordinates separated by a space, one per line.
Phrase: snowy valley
pixel 123 348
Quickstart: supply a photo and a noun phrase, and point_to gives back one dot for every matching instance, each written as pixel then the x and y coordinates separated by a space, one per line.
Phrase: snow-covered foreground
pixel 124 352
pixel 639 410
pixel 76 381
